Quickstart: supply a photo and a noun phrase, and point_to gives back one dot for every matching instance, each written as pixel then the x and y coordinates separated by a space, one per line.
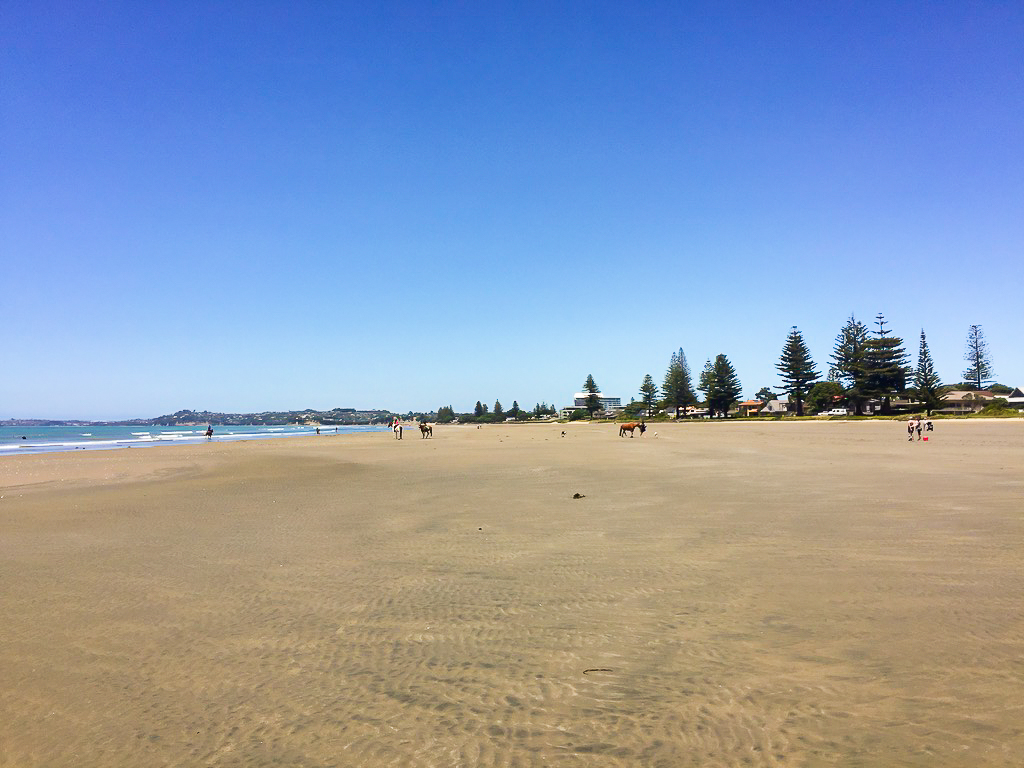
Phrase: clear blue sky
pixel 254 206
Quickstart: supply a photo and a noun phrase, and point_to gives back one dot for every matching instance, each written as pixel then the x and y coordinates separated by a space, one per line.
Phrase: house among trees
pixel 959 401
pixel 1016 399
pixel 775 408
pixel 750 408
pixel 689 412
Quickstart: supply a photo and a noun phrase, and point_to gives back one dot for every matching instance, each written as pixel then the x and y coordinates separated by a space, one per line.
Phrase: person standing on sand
pixel 920 424
pixel 910 428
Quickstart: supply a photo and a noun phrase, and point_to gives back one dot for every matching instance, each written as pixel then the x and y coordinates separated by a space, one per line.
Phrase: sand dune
pixel 723 594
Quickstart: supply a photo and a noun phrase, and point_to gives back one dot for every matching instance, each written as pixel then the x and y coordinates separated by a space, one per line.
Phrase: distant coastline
pixel 188 418
pixel 90 437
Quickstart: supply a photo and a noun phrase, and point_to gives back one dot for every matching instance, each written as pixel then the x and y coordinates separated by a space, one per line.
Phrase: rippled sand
pixel 722 595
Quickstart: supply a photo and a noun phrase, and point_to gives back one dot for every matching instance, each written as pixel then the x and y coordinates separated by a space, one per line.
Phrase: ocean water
pixel 15 440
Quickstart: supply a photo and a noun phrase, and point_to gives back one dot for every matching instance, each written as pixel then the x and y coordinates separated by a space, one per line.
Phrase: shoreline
pixel 45 469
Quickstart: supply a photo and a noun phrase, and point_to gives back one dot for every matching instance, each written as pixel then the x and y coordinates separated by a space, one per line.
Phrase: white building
pixel 579 400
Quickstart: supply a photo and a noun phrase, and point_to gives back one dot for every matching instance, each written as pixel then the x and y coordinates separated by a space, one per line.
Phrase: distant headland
pixel 336 416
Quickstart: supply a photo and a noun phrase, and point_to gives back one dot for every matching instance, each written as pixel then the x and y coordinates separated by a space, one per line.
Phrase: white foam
pixel 152 438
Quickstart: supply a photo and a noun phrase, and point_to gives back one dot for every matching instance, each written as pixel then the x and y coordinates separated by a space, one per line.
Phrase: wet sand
pixel 744 594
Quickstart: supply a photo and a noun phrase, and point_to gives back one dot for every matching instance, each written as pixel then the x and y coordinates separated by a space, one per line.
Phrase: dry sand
pixel 750 594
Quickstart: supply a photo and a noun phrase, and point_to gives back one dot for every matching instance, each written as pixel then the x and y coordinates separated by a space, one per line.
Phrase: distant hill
pixel 336 416
pixel 307 416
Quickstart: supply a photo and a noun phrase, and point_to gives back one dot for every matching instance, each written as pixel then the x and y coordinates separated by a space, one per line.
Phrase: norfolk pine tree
pixel 849 364
pixel 593 395
pixel 706 384
pixel 926 380
pixel 678 386
pixel 885 364
pixel 648 394
pixel 797 369
pixel 724 390
pixel 980 364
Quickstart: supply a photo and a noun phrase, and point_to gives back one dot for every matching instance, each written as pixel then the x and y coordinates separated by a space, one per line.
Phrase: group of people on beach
pixel 918 425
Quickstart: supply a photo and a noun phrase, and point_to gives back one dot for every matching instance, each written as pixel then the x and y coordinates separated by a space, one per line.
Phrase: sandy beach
pixel 735 594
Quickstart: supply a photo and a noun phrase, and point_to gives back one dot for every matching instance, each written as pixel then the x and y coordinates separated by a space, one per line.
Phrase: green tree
pixel 727 384
pixel 926 380
pixel 796 369
pixel 849 365
pixel 979 368
pixel 478 409
pixel 499 412
pixel 649 394
pixel 543 409
pixel 593 404
pixel 634 410
pixel 706 383
pixel 678 386
pixel 765 394
pixel 823 395
pixel 722 385
pixel 514 410
pixel 885 364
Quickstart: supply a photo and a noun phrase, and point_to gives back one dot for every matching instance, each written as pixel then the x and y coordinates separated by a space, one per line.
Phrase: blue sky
pixel 254 206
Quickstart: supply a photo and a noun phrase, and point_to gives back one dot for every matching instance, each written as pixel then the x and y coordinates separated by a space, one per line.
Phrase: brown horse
pixel 426 431
pixel 632 426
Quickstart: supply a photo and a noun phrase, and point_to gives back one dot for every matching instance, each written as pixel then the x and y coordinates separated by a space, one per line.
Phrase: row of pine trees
pixel 864 365
pixel 481 413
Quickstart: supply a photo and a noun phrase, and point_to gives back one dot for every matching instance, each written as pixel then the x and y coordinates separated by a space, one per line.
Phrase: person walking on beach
pixel 919 426
pixel 910 428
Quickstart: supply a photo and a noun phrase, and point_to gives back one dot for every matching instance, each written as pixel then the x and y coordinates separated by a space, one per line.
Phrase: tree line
pixel 865 365
pixel 481 414
pixel 718 382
